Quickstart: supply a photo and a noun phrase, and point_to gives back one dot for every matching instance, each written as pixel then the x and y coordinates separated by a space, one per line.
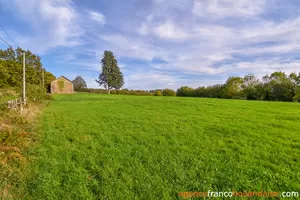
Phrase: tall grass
pixel 16 136
pixel 8 94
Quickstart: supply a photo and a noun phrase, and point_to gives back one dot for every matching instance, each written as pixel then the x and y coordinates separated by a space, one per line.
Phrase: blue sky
pixel 158 43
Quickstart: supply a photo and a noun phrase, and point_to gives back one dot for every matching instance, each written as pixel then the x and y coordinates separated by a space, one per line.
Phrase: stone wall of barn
pixel 61 85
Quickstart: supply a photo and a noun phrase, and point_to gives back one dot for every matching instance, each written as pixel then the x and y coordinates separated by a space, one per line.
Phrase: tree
pixel 79 83
pixel 49 77
pixel 234 87
pixel 11 69
pixel 249 86
pixel 297 94
pixel 279 87
pixel 260 92
pixel 111 76
pixel 185 91
pixel 168 92
pixel 200 92
pixel 158 93
pixel 295 79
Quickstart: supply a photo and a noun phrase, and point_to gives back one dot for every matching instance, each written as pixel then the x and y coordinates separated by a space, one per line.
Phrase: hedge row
pixel 158 92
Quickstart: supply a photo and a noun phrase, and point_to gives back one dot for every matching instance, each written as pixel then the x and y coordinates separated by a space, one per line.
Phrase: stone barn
pixel 61 85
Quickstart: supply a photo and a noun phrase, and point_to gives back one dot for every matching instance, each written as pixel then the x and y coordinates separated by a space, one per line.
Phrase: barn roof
pixel 64 78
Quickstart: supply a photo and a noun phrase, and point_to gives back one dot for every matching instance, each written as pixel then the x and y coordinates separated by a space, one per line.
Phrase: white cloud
pixel 228 8
pixel 130 46
pixel 270 31
pixel 54 23
pixel 169 30
pixel 262 67
pixel 210 44
pixel 97 16
pixel 215 43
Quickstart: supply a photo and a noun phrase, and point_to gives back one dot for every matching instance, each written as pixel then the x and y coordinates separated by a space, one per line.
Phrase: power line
pixel 5 41
pixel 8 36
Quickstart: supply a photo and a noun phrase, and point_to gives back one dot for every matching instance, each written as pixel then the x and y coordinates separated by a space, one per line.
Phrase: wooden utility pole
pixel 43 71
pixel 24 80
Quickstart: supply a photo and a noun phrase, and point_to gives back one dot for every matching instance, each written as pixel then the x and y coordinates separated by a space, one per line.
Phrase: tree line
pixel 275 87
pixel 157 92
pixel 11 69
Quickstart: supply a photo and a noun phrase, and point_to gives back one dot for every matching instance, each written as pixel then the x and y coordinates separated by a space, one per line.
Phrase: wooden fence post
pixel 21 105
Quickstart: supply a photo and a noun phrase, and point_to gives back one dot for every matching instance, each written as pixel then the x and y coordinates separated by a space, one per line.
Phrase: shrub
pixel 185 91
pixel 36 93
pixel 124 92
pixel 158 93
pixel 92 90
pixel 8 94
pixel 296 98
pixel 113 92
pixel 168 92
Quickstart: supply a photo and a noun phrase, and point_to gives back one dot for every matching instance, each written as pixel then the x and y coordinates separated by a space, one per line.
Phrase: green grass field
pixel 129 147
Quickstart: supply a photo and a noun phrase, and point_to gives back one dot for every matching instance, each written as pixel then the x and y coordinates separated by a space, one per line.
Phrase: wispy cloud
pixel 97 16
pixel 168 30
pixel 228 8
pixel 52 23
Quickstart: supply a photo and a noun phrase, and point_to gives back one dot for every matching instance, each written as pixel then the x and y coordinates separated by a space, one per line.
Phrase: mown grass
pixel 128 147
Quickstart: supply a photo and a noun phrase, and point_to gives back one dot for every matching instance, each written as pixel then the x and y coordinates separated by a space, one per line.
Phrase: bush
pixel 158 93
pixel 92 90
pixel 185 91
pixel 36 93
pixel 139 92
pixel 296 98
pixel 168 92
pixel 8 94
pixel 113 92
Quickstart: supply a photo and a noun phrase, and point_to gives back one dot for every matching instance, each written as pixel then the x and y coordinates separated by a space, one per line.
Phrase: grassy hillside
pixel 128 147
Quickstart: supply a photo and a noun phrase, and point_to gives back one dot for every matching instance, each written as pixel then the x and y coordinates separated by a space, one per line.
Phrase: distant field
pixel 129 147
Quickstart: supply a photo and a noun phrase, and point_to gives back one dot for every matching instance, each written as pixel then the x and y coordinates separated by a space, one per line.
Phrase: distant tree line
pixel 122 91
pixel 11 69
pixel 275 87
pixel 158 92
